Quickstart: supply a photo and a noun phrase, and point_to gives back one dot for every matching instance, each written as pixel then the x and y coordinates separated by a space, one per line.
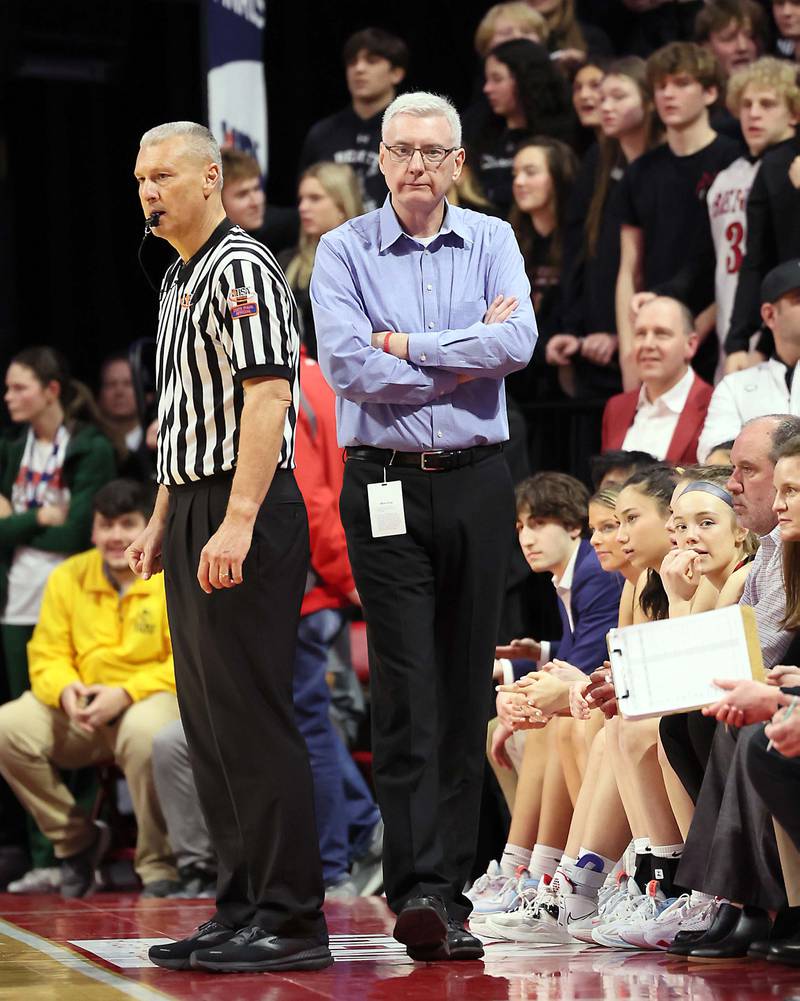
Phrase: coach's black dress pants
pixel 731 849
pixel 777 781
pixel 234 651
pixel 432 601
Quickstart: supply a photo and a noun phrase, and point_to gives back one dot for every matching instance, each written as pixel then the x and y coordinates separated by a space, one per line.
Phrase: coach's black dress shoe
pixel 786 951
pixel 753 925
pixel 254 950
pixel 459 945
pixel 785 928
pixel 176 955
pixel 422 924
pixel 725 921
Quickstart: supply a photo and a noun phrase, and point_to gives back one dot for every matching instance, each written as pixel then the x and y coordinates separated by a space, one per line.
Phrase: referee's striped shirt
pixel 224 316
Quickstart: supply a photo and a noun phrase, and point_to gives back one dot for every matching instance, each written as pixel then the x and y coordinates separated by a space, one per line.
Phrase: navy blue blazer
pixel 595 597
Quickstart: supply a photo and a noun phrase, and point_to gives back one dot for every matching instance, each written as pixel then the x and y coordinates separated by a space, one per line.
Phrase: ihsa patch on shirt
pixel 242 302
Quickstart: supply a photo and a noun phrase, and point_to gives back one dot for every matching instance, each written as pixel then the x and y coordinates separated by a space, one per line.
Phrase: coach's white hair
pixel 198 138
pixel 421 103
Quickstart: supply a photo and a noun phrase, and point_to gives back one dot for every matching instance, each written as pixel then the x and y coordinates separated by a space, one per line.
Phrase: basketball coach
pixel 421 309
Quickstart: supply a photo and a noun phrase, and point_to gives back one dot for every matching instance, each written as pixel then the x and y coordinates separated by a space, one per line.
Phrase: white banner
pixel 237 95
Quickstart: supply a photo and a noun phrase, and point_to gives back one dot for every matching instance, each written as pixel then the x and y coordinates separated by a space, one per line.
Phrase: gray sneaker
pixel 160 888
pixel 78 871
pixel 342 889
pixel 367 871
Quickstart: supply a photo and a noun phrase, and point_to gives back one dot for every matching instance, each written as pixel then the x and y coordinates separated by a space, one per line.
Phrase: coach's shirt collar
pixel 391 230
pixel 185 270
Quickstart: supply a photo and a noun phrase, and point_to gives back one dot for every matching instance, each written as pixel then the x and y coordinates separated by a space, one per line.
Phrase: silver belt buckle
pixel 428 469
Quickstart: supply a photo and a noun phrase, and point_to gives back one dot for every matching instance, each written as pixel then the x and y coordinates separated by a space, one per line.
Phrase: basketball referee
pixel 230 531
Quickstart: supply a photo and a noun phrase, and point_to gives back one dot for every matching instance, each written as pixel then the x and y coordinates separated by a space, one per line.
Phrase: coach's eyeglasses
pixel 434 156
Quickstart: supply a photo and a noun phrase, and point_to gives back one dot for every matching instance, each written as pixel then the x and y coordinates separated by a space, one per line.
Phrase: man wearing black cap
pixel 772 386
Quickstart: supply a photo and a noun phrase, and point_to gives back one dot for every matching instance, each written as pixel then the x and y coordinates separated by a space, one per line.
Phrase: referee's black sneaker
pixel 176 955
pixel 254 950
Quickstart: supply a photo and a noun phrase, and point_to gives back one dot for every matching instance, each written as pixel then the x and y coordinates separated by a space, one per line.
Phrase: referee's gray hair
pixel 421 103
pixel 200 140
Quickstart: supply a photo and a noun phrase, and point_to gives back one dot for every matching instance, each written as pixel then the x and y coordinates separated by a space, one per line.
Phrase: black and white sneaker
pixel 177 955
pixel 253 950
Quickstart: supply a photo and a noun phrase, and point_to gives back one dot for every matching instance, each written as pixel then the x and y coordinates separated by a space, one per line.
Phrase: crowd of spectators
pixel 649 168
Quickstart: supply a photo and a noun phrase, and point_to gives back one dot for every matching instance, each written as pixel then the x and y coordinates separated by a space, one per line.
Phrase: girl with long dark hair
pixel 544 171
pixel 526 96
pixel 588 340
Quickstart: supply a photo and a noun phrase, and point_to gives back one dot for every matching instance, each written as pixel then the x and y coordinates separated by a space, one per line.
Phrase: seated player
pixel 102 686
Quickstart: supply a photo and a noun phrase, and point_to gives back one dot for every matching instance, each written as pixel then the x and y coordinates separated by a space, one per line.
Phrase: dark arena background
pixel 80 82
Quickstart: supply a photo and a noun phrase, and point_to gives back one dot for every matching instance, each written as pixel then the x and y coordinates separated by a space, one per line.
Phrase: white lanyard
pixel 30 492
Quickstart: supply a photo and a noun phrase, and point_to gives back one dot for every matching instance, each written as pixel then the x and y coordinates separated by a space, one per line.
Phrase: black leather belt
pixel 430 462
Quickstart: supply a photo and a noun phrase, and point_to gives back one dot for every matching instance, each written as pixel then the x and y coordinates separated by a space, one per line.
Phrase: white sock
pixel 642 846
pixel 667 851
pixel 544 861
pixel 514 856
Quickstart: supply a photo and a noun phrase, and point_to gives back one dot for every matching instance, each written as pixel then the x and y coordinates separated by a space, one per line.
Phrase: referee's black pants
pixel 233 652
pixel 432 600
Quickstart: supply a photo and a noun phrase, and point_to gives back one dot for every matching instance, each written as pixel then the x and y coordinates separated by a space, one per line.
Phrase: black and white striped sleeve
pixel 256 317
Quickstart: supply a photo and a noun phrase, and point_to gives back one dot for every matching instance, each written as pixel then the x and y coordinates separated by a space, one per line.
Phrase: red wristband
pixel 386 341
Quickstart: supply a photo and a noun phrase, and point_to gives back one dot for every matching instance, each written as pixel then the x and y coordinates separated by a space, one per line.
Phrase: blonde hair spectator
pixel 340 183
pixel 767 73
pixel 506 21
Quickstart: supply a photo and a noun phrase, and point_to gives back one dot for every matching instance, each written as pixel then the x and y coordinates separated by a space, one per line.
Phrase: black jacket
pixel 773 236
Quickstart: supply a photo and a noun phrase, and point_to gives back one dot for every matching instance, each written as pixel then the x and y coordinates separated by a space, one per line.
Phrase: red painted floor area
pixel 371 966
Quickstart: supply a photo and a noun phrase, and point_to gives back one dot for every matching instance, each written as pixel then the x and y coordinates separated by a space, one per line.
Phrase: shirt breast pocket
pixel 465 313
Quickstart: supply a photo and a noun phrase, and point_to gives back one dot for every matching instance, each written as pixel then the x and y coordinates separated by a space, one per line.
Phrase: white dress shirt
pixel 741 396
pixel 655 423
pixel 563 586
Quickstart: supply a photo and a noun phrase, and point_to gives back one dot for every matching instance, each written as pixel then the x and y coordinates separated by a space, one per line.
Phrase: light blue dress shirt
pixel 371 276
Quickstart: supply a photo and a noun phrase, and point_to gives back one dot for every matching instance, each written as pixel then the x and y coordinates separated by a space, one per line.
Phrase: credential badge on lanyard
pixel 386 513
pixel 30 490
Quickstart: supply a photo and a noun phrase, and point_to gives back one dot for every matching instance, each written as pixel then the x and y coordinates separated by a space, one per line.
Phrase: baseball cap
pixel 782 279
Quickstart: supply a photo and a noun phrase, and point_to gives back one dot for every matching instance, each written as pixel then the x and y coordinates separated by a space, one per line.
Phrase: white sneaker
pixel 654 903
pixel 504 899
pixel 610 895
pixel 578 911
pixel 604 933
pixel 691 917
pixel 531 893
pixel 37 881
pixel 488 884
pixel 552 926
pixel 659 933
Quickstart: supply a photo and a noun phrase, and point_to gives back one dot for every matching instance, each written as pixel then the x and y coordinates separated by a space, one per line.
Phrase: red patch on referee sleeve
pixel 248 309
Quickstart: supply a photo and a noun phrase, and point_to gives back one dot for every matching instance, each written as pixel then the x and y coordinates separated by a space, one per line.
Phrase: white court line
pixel 75 962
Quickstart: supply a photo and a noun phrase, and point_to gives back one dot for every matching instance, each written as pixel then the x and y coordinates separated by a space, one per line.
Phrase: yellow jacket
pixel 87 633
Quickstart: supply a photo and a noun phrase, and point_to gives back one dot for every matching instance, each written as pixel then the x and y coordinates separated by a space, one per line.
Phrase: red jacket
pixel 621 409
pixel 319 475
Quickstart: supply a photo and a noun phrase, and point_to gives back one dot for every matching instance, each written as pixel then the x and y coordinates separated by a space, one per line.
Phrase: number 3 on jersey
pixel 734 234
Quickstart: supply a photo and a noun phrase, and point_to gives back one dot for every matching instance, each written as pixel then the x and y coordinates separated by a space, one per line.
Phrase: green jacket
pixel 88 464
